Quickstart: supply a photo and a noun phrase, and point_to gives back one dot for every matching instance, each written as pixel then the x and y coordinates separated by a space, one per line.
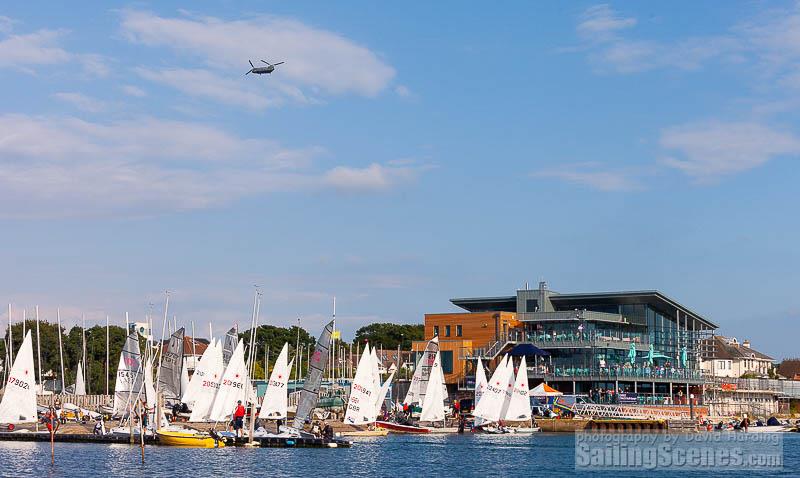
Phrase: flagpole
pixel 60 348
pixel 39 350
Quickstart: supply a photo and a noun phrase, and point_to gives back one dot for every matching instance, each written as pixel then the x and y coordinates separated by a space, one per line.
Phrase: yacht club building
pixel 641 343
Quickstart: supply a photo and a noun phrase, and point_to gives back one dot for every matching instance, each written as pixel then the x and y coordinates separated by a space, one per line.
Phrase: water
pixel 549 455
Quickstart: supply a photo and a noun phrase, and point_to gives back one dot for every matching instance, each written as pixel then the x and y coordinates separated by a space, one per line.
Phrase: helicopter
pixel 262 69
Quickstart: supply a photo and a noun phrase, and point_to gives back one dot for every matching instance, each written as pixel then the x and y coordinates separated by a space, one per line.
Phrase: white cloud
pixel 131 90
pixel 610 50
pixel 590 174
pixel 64 166
pixel 42 48
pixel 6 24
pixel 375 177
pixel 403 91
pixel 601 22
pixel 206 84
pixel 81 101
pixel 708 150
pixel 316 59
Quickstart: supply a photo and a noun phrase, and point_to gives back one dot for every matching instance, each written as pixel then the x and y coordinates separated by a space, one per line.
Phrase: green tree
pixel 390 335
pixel 71 342
pixel 274 338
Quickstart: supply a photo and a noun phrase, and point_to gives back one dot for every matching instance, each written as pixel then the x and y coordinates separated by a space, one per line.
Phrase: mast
pixel 10 337
pixel 39 350
pixel 161 343
pixel 24 313
pixel 60 348
pixel 333 342
pixel 107 352
pixel 83 349
pixel 297 353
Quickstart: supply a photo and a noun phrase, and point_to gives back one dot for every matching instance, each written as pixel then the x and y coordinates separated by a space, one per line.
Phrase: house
pixel 732 359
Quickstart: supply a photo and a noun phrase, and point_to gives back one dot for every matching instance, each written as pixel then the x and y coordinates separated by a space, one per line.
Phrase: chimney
pixel 746 343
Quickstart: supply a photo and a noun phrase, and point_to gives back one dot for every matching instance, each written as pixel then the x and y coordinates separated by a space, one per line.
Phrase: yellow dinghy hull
pixel 188 439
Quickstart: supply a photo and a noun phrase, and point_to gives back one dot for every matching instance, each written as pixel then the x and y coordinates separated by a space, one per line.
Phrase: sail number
pixel 19 383
pixel 231 383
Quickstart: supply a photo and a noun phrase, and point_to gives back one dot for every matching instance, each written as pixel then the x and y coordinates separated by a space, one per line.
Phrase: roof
pixel 654 298
pixel 200 346
pixel 789 368
pixel 728 349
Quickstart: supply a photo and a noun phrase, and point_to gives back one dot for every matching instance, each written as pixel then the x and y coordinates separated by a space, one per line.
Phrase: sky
pixel 404 154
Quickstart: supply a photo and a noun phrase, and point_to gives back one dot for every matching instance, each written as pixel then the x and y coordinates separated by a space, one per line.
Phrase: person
pixel 99 426
pixel 176 409
pixel 50 419
pixel 745 424
pixel 457 407
pixel 327 431
pixel 238 419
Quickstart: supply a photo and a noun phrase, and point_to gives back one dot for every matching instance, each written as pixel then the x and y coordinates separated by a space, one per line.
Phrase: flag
pixel 337 335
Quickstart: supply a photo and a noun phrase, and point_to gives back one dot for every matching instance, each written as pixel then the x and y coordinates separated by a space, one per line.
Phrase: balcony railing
pixel 614 373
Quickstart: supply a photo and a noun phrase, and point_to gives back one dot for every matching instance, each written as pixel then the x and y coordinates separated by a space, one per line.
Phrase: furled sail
pixel 229 345
pixel 129 375
pixel 19 399
pixel 80 384
pixel 309 396
pixel 169 375
pixel 276 398
pixel 419 381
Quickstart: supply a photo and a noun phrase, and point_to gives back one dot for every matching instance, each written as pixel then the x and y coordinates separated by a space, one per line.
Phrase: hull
pixel 378 432
pixel 399 428
pixel 188 439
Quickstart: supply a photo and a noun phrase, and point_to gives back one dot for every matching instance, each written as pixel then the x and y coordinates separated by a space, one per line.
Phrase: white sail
pixel 149 389
pixel 208 383
pixel 376 370
pixel 129 375
pixel 480 381
pixel 19 399
pixel 519 404
pixel 419 381
pixel 433 404
pixel 80 384
pixel 361 404
pixel 276 398
pixel 233 386
pixel 382 392
pixel 200 372
pixel 490 407
pixel 184 377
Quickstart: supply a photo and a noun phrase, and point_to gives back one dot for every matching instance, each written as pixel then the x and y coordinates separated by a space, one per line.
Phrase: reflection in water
pixel 550 455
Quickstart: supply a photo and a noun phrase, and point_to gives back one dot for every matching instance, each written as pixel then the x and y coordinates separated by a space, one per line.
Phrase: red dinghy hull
pixel 399 428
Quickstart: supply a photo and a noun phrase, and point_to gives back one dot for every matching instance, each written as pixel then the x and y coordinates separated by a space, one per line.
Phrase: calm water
pixel 550 455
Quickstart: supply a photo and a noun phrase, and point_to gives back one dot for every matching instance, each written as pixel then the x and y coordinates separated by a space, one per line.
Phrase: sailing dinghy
pixel 19 399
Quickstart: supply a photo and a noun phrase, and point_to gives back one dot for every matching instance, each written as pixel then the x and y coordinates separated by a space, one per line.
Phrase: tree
pixel 390 335
pixel 274 338
pixel 72 346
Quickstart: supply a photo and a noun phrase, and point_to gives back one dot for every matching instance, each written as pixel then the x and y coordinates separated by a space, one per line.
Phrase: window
pixel 435 330
pixel 458 331
pixel 447 361
pixel 531 305
pixel 447 331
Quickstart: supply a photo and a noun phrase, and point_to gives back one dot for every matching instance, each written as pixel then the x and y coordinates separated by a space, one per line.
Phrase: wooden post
pixel 141 426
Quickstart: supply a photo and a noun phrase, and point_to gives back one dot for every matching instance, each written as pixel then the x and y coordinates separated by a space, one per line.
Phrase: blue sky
pixel 403 155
